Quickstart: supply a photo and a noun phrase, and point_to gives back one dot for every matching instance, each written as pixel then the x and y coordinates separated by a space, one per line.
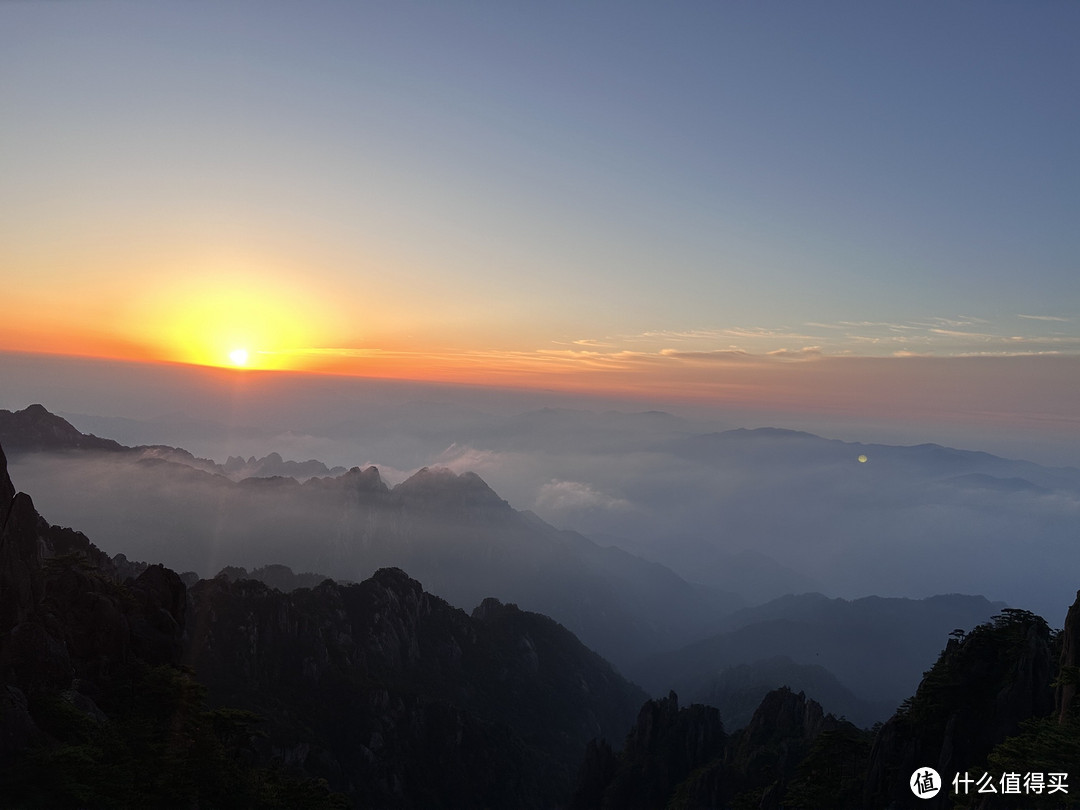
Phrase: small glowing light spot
pixel 862 458
pixel 239 357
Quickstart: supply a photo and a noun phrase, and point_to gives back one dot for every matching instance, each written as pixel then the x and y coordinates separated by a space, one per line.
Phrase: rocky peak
pixel 366 480
pixel 34 428
pixel 976 695
pixel 440 488
pixel 487 609
pixel 783 713
pixel 663 748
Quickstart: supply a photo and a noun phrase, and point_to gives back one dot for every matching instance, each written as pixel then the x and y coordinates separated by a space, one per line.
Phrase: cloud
pixel 861 325
pixel 462 458
pixel 805 353
pixel 956 333
pixel 1045 318
pixel 596 344
pixel 714 356
pixel 564 496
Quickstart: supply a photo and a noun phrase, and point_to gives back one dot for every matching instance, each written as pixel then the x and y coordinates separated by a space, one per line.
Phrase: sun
pixel 239 357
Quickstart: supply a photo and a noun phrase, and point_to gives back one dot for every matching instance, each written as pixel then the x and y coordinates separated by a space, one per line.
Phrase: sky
pixel 855 209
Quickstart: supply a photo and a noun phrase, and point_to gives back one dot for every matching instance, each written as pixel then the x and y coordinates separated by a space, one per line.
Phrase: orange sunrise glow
pixel 252 318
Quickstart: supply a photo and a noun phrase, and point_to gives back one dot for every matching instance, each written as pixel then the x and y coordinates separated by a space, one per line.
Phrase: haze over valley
pixel 686 602
pixel 541 405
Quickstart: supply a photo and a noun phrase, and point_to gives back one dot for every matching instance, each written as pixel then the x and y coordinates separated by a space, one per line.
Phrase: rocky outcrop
pixel 681 758
pixel 66 625
pixel 274 465
pixel 976 695
pixel 398 699
pixel 279 577
pixel 779 733
pixel 663 748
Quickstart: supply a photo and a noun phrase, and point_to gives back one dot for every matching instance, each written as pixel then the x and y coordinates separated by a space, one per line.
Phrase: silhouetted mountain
pixel 399 699
pixel 450 531
pixel 876 648
pixel 985 710
pixel 389 693
pixel 663 748
pixel 35 429
pixel 274 465
pixel 681 758
pixel 95 711
pixel 983 687
pixel 738 690
pixel 279 577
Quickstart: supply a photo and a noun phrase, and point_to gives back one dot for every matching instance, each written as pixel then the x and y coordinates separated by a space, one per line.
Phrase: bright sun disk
pixel 239 357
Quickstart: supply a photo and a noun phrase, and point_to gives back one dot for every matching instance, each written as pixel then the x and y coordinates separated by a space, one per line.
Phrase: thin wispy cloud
pixel 960 334
pixel 1045 318
pixel 716 355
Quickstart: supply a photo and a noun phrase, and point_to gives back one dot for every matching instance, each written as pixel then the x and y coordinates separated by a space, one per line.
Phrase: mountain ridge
pixel 450 530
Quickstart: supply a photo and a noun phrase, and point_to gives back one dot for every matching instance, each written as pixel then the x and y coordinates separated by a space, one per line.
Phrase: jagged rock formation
pixel 1048 744
pixel 95 711
pixel 986 707
pixel 867 654
pixel 981 689
pixel 272 465
pixel 397 698
pixel 737 691
pixel 62 609
pixel 662 749
pixel 452 532
pixel 681 758
pixel 400 700
pixel 35 429
pixel 279 577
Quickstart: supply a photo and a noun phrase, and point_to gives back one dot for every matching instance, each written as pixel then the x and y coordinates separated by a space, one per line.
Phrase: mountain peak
pixel 439 485
pixel 35 428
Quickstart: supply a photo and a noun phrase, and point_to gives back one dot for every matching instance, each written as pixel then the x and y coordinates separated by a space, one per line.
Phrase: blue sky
pixel 553 185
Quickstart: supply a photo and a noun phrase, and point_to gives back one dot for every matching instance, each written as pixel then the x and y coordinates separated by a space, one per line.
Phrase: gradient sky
pixel 729 200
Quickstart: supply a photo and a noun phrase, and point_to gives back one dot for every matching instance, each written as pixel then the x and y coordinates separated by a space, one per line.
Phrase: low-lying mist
pixel 759 513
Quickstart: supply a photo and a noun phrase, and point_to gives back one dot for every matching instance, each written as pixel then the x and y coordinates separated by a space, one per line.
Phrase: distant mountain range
pixel 755 512
pixel 859 658
pixel 455 535
pixel 122 687
pixel 450 531
pixel 374 694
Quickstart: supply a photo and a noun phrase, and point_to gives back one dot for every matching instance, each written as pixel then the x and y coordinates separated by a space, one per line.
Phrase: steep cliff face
pixel 986 706
pixel 1069 676
pixel 663 748
pixel 977 694
pixel 778 737
pixel 400 700
pixel 681 758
